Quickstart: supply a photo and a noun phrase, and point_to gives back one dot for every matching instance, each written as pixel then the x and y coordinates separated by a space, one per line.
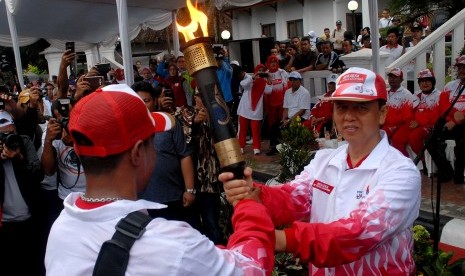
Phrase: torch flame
pixel 197 18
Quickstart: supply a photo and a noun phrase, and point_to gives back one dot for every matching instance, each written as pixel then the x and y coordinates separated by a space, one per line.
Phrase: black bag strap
pixel 114 254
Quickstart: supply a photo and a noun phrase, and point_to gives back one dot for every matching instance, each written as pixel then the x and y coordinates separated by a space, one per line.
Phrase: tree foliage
pixel 410 10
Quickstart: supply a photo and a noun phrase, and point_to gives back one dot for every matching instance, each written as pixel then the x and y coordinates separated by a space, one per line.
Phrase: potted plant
pixel 296 150
pixel 433 263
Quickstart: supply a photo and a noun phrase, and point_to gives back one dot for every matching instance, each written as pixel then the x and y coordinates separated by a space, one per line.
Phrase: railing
pixel 315 82
pixel 436 42
pixel 114 63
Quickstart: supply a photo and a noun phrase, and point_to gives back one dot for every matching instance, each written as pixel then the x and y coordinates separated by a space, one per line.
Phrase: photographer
pixel 20 177
pixel 250 109
pixel 29 100
pixel 8 103
pixel 58 152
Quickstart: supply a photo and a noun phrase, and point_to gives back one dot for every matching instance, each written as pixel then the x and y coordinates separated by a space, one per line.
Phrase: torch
pixel 201 64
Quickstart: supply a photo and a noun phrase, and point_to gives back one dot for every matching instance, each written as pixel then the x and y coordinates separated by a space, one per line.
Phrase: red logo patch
pixel 322 186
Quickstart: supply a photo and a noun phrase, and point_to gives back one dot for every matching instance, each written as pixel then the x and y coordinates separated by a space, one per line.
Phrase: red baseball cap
pixel 425 73
pixel 396 72
pixel 359 85
pixel 114 118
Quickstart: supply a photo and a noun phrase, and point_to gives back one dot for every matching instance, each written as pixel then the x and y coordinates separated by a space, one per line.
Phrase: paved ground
pixel 452 195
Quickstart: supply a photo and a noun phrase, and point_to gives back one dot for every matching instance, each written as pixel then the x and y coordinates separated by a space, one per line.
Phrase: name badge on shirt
pixel 317 184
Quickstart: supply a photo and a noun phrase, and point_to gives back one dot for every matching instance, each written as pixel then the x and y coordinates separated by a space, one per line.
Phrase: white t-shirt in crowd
pixel 295 101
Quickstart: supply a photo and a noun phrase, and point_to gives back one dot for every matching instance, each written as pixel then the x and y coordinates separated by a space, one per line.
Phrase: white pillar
pixel 339 13
pixel 280 25
pixel 366 14
pixel 235 34
pixel 107 52
pixel 53 57
pixel 91 57
pixel 256 27
pixel 307 18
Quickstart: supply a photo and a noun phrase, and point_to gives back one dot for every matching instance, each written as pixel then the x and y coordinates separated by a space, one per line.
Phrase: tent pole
pixel 124 39
pixel 374 35
pixel 175 34
pixel 14 40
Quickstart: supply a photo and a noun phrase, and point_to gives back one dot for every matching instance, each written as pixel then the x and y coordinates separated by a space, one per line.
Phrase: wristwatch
pixel 192 191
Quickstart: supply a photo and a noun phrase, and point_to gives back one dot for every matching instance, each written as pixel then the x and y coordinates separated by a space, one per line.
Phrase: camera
pixel 63 121
pixel 263 75
pixel 10 140
pixel 63 106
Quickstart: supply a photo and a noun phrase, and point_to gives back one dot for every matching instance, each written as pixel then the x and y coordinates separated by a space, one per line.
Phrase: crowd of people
pixel 81 157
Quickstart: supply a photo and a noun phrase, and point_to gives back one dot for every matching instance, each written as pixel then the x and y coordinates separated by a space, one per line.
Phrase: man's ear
pixel 137 152
pixel 382 114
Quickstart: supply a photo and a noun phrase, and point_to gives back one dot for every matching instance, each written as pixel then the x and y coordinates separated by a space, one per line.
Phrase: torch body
pixel 201 64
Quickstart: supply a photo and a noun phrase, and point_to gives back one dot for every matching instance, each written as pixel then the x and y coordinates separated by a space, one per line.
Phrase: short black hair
pixel 349 35
pixel 144 86
pixel 393 30
pixel 99 165
pixel 305 39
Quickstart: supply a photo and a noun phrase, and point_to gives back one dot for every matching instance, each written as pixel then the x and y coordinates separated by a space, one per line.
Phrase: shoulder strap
pixel 114 254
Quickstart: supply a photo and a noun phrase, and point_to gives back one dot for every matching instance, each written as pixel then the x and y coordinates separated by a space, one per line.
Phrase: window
pixel 269 30
pixel 295 28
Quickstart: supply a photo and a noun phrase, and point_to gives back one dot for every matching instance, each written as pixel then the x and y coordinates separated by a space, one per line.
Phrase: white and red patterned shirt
pixel 400 107
pixel 426 108
pixel 350 221
pixel 451 90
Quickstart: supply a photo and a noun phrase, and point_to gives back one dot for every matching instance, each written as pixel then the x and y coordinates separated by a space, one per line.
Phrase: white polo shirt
pixel 295 101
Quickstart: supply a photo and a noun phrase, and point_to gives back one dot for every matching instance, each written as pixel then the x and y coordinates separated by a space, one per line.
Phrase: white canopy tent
pixel 87 22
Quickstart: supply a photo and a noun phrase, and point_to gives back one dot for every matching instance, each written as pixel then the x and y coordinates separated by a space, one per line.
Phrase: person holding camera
pixel 30 101
pixel 250 109
pixel 20 177
pixel 58 152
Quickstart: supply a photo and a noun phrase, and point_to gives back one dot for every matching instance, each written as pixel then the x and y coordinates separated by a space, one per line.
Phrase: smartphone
pixel 169 93
pixel 70 46
pixel 95 82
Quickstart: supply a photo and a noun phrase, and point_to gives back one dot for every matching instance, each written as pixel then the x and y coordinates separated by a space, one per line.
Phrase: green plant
pixel 287 264
pixel 295 152
pixel 34 69
pixel 433 263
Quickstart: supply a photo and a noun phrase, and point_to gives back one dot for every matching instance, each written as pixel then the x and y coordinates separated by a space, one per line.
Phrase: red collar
pixel 349 162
